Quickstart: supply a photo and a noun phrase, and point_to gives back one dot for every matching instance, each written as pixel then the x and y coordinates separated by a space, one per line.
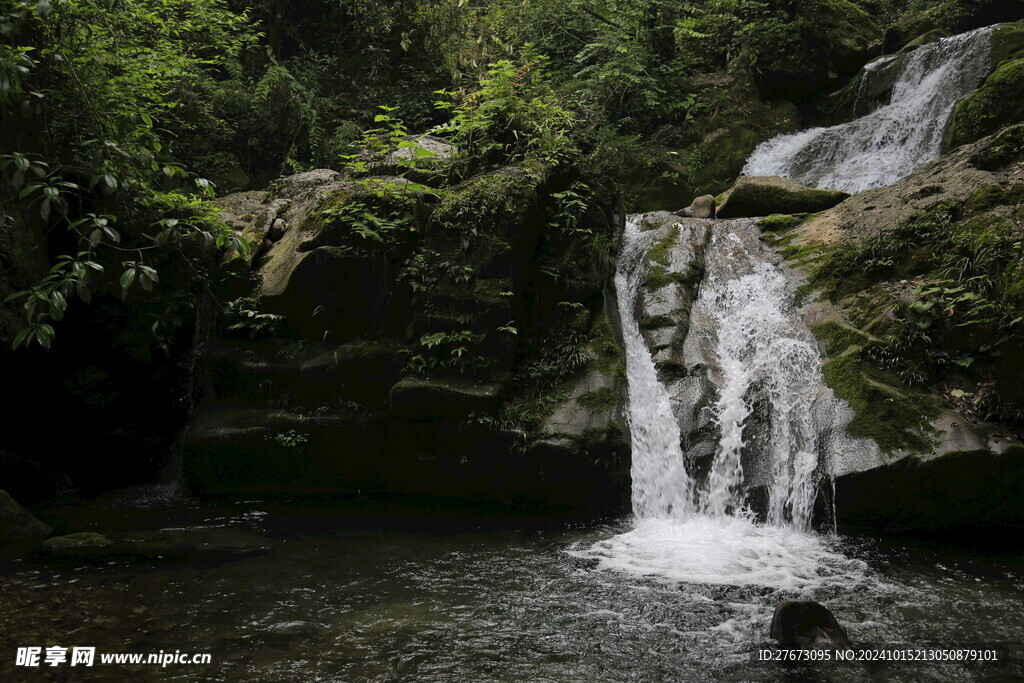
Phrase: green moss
pixel 716 163
pixel 609 356
pixel 1007 42
pixel 777 241
pixel 801 253
pixel 990 196
pixel 838 338
pixel 657 277
pixel 659 252
pixel 779 222
pixel 599 400
pixel 892 420
pixel 998 102
pixel 762 199
pixel 656 322
pixel 476 204
pixel 1005 149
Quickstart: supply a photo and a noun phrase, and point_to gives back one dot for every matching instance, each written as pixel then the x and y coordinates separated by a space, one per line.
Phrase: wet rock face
pixel 968 494
pixel 808 625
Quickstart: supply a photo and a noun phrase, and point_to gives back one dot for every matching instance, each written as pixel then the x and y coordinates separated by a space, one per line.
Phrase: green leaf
pixel 20 338
pixel 127 278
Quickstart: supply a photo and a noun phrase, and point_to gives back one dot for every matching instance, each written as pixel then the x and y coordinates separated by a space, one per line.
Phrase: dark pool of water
pixel 363 596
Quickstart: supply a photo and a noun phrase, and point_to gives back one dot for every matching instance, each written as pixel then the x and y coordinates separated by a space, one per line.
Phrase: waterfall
pixel 767 366
pixel 771 407
pixel 661 485
pixel 888 144
pixel 763 350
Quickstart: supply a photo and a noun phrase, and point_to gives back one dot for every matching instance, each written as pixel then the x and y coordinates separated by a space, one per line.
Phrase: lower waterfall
pixel 765 360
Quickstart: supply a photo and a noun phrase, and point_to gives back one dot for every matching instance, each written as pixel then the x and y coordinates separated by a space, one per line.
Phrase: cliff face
pixel 401 339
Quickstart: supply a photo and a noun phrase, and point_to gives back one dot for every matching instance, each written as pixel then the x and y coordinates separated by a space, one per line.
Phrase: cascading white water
pixel 888 144
pixel 763 351
pixel 661 486
pixel 745 314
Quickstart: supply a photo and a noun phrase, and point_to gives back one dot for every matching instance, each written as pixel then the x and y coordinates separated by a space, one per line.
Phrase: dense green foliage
pixel 95 93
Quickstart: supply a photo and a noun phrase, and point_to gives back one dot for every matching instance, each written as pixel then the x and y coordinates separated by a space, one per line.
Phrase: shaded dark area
pixel 966 495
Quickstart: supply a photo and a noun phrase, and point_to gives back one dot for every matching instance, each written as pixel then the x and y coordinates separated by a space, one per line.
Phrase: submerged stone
pixel 78 544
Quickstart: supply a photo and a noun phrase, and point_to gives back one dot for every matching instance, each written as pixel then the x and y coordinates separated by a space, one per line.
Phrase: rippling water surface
pixel 366 597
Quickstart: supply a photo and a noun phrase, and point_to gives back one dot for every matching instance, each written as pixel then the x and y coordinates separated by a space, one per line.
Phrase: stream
pixel 358 595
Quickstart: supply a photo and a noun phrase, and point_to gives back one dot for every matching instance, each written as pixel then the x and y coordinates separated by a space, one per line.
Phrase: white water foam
pixel 888 144
pixel 727 550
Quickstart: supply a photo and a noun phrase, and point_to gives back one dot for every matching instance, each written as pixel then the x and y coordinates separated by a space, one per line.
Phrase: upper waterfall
pixel 888 144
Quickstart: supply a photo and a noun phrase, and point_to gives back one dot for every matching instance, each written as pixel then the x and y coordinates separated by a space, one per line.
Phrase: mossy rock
pixel 720 158
pixel 890 418
pixel 998 102
pixel 779 222
pixel 1007 42
pixel 765 195
pixel 82 542
pixel 988 197
pixel 17 523
pixel 905 30
pixel 1004 148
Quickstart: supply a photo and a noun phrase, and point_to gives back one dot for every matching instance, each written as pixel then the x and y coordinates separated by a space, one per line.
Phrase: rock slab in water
pixel 78 544
pixel 765 195
pixel 17 523
pixel 807 624
pixel 165 543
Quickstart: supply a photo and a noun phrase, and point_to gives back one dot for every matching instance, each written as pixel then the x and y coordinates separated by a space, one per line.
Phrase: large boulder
pixel 17 523
pixel 765 195
pixel 332 271
pixel 998 102
pixel 905 30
